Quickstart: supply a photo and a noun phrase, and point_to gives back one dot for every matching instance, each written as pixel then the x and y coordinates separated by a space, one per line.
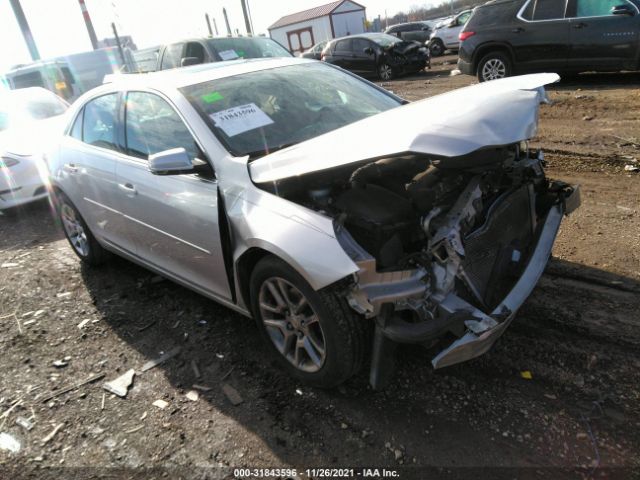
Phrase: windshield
pixel 256 47
pixel 26 105
pixel 260 112
pixel 384 40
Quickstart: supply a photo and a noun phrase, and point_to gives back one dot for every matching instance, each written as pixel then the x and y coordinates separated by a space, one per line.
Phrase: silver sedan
pixel 343 219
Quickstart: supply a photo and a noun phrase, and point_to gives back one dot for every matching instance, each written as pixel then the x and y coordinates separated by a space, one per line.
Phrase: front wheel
pixel 494 66
pixel 77 232
pixel 385 72
pixel 436 47
pixel 314 335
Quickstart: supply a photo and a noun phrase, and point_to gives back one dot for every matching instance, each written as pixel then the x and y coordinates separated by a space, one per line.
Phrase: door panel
pixel 541 45
pixel 599 39
pixel 173 219
pixel 360 61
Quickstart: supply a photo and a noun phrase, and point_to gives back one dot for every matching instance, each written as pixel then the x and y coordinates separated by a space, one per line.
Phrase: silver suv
pixel 341 218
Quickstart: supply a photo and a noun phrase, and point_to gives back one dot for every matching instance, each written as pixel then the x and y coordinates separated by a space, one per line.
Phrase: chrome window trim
pixel 566 6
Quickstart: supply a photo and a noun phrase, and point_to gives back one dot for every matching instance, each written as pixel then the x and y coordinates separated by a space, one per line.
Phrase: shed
pixel 300 31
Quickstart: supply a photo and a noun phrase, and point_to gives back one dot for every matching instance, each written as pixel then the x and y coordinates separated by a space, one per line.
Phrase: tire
pixel 323 352
pixel 436 47
pixel 385 72
pixel 494 66
pixel 82 241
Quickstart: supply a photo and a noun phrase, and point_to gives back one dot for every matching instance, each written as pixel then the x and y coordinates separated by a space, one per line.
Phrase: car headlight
pixel 8 162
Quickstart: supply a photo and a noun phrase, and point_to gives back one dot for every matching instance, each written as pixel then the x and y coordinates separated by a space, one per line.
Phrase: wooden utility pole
pixel 24 28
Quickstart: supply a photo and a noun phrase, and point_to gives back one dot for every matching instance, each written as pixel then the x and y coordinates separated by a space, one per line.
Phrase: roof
pixel 310 14
pixel 181 77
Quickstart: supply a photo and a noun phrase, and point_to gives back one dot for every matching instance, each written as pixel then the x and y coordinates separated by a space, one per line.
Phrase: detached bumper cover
pixel 483 332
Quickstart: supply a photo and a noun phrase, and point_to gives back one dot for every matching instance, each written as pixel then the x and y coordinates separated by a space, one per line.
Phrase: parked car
pixel 445 36
pixel 413 31
pixel 29 120
pixel 314 52
pixel 206 50
pixel 513 36
pixel 376 54
pixel 319 204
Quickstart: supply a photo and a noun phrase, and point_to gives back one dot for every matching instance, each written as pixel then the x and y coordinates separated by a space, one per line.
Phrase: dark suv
pixel 507 37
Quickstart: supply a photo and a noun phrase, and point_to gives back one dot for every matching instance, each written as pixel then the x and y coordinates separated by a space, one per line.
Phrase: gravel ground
pixel 557 397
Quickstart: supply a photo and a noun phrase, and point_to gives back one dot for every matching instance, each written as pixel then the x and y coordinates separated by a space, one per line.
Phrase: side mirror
pixel 368 51
pixel 622 10
pixel 186 61
pixel 171 162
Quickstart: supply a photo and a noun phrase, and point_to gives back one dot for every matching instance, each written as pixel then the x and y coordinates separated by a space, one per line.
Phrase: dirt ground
pixel 578 336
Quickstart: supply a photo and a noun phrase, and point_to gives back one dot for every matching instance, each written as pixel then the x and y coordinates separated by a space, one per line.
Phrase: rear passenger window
pixel 343 46
pixel 153 126
pixel 99 122
pixel 544 10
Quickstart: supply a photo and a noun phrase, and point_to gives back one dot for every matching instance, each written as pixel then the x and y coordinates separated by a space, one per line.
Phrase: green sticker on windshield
pixel 240 53
pixel 212 97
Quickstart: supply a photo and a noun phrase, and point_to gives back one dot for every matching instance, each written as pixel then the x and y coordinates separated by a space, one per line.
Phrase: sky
pixel 58 27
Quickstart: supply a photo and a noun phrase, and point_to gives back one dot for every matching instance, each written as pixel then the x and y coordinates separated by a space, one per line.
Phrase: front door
pixel 540 36
pixel 601 39
pixel 362 61
pixel 172 218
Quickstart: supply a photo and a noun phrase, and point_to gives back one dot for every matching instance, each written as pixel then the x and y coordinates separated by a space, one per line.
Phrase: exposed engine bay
pixel 440 242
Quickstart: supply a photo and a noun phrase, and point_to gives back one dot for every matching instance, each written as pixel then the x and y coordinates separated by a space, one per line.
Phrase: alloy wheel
pixel 292 324
pixel 386 72
pixel 74 230
pixel 494 69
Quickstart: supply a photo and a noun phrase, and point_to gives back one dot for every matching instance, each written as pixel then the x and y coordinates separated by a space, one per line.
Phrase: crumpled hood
pixel 404 47
pixel 33 138
pixel 456 123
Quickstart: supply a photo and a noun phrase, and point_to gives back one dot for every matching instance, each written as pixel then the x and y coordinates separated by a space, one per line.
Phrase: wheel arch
pixel 486 48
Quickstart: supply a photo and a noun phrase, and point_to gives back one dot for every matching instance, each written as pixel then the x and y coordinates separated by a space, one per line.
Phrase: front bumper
pixel 21 184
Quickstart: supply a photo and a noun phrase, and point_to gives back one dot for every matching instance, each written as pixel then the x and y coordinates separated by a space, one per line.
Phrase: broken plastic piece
pixel 120 386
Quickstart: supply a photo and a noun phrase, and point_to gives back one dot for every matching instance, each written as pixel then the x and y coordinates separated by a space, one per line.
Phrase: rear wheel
pixel 494 66
pixel 314 335
pixel 436 47
pixel 77 232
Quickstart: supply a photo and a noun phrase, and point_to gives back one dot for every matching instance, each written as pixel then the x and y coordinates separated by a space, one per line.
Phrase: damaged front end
pixel 451 224
pixel 476 259
pixel 407 56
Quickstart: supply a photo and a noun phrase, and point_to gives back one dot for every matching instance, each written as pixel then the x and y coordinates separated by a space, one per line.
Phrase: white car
pixel 30 119
pixel 340 217
pixel 445 35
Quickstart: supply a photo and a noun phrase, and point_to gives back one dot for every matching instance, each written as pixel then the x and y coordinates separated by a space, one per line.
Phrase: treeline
pixel 416 13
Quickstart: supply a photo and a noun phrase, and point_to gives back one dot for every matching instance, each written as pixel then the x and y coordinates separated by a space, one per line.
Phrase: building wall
pixel 350 23
pixel 320 29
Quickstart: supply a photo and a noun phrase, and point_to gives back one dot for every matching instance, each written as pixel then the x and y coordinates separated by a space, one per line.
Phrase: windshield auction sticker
pixel 237 120
pixel 228 55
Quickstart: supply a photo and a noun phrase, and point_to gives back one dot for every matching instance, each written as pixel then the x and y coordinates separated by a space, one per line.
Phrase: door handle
pixel 70 168
pixel 128 187
pixel 580 25
pixel 518 30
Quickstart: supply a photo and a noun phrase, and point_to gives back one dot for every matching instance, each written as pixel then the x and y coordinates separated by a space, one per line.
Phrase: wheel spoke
pixel 310 349
pixel 279 324
pixel 285 294
pixel 270 308
pixel 275 294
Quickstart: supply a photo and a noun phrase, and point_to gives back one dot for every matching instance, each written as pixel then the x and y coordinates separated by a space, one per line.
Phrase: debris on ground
pixel 526 374
pixel 196 370
pixel 25 423
pixel 49 437
pixel 232 394
pixel 93 378
pixel 631 168
pixel 61 363
pixel 161 359
pixel 161 404
pixel 120 386
pixel 83 323
pixel 202 388
pixel 9 443
pixel 192 395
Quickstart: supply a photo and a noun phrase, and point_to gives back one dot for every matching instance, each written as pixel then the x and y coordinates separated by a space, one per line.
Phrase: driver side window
pixel 153 126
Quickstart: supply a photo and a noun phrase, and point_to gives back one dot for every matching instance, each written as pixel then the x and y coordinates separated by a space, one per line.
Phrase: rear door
pixel 173 219
pixel 540 36
pixel 601 39
pixel 89 169
pixel 343 54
